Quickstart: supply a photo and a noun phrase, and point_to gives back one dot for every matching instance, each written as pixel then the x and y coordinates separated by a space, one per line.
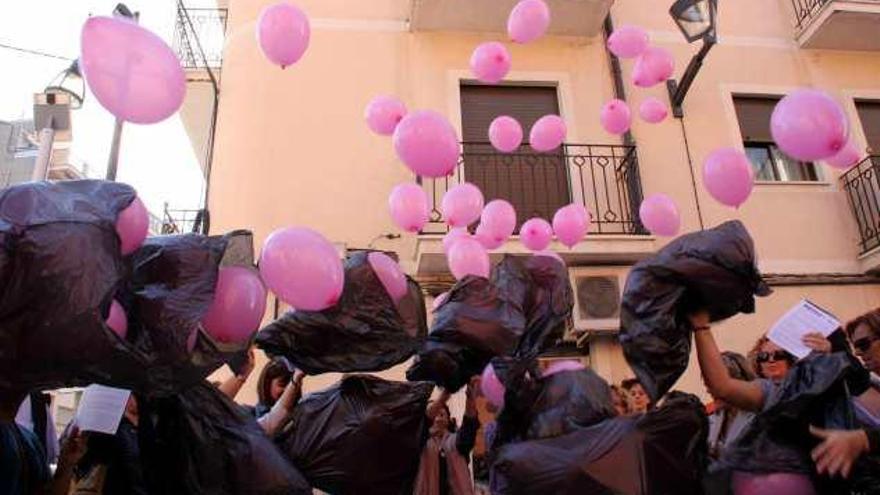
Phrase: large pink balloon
pixel 628 41
pixel 550 254
pixel 659 215
pixel 845 158
pixel 383 113
pixel 653 67
pixel 486 239
pixel 468 257
pixel 453 236
pixel 426 143
pixel 547 133
pixel 238 306
pixel 462 204
pixel 652 110
pixel 809 125
pixel 615 117
pixel 536 234
pixel 490 62
pixel 563 365
pixel 439 301
pixel 389 274
pixel 498 219
pixel 132 72
pixel 571 223
pixel 302 268
pixel 771 484
pixel 408 204
pixel 505 134
pixel 132 226
pixel 528 21
pixel 491 386
pixel 117 320
pixel 728 176
pixel 283 33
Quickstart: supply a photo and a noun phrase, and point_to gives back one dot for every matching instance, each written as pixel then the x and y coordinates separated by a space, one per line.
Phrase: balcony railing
pixel 804 10
pixel 603 178
pixel 199 35
pixel 862 185
pixel 184 221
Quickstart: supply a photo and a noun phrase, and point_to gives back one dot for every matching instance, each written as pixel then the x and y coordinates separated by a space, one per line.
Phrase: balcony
pixel 199 35
pixel 862 186
pixel 570 17
pixel 838 24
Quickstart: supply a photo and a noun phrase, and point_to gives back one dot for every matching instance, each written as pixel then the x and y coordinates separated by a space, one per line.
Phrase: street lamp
pixel 123 11
pixel 52 114
pixel 697 21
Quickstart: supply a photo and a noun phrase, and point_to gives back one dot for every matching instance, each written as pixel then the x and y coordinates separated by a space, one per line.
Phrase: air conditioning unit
pixel 597 295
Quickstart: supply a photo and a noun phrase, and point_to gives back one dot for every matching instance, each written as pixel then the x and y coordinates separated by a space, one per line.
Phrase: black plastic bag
pixel 362 435
pixel 714 270
pixel 549 302
pixel 364 331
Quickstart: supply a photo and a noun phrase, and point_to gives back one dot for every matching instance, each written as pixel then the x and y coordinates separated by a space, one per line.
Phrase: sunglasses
pixel 764 357
pixel 864 343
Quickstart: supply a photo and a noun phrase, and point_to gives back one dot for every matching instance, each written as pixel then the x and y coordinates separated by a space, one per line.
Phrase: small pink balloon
pixel 809 125
pixel 132 226
pixel 653 67
pixel 408 204
pixel 491 386
pixel 484 237
pixel 628 41
pixel 453 236
pixel 571 223
pixel 117 319
pixel 548 133
pixel 389 274
pixel 426 143
pixel 468 257
pixel 563 365
pixel 383 113
pixel 536 234
pixel 728 176
pixel 659 215
pixel 505 134
pixel 550 254
pixel 652 110
pixel 490 62
pixel 528 21
pixel 498 220
pixel 283 33
pixel 439 301
pixel 615 117
pixel 132 72
pixel 462 204
pixel 744 483
pixel 238 306
pixel 302 268
pixel 846 158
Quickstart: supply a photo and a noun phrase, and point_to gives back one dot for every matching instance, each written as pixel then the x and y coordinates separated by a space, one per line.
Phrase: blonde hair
pixel 756 349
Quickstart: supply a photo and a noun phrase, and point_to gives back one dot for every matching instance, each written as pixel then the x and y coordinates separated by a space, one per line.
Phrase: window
pixel 869 115
pixel 769 162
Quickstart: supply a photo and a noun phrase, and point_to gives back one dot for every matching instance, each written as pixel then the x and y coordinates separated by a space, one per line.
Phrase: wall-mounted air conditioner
pixel 597 293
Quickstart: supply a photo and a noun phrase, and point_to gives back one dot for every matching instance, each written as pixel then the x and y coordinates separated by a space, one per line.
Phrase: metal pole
pixel 113 163
pixel 44 155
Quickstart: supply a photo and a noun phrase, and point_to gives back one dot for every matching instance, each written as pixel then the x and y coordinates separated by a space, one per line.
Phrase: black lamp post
pixel 69 82
pixel 696 20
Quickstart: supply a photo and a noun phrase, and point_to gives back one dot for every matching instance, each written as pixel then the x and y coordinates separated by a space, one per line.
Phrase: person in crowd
pixel 726 421
pixel 35 414
pixel 278 390
pixel 637 399
pixel 443 467
pixel 232 385
pixel 772 362
pixel 618 399
pixel 864 333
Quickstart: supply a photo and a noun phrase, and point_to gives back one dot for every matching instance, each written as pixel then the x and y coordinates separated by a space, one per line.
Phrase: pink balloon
pixel 117 319
pixel 462 204
pixel 771 484
pixel 491 386
pixel 550 254
pixel 498 220
pixel 728 176
pixel 389 274
pixel 628 41
pixel 283 33
pixel 615 117
pixel 238 306
pixel 653 67
pixel 536 234
pixel 383 113
pixel 505 134
pixel 439 301
pixel 490 62
pixel 571 223
pixel 302 268
pixel 659 215
pixel 809 125
pixel 132 226
pixel 468 257
pixel 563 365
pixel 408 204
pixel 548 133
pixel 846 158
pixel 132 72
pixel 426 143
pixel 453 236
pixel 486 239
pixel 528 21
pixel 652 110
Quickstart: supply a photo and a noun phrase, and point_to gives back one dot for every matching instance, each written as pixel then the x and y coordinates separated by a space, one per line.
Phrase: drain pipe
pixel 616 75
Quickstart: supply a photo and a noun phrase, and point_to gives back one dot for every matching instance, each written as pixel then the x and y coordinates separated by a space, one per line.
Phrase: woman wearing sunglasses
pixel 772 362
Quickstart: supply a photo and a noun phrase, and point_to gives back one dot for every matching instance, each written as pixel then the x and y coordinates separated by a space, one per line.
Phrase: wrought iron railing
pixel 199 35
pixel 604 178
pixel 862 186
pixel 804 10
pixel 184 221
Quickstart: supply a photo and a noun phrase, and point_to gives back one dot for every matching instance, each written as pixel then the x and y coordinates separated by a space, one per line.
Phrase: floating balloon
pixel 659 215
pixel 528 21
pixel 486 239
pixel 283 33
pixel 383 113
pixel 563 365
pixel 453 236
pixel 498 220
pixel 132 226
pixel 571 223
pixel 490 62
pixel 439 300
pixel 505 134
pixel 408 204
pixel 426 143
pixel 302 268
pixel 548 133
pixel 238 306
pixel 462 204
pixel 389 274
pixel 615 117
pixel 846 158
pixel 132 72
pixel 468 257
pixel 117 319
pixel 809 125
pixel 728 176
pixel 550 254
pixel 628 41
pixel 491 386
pixel 652 110
pixel 536 234
pixel 653 67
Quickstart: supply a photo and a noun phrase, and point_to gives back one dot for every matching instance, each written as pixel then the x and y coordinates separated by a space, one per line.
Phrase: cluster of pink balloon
pixel 547 133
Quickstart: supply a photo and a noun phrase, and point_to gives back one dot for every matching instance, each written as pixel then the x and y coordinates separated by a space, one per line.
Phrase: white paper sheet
pixel 805 317
pixel 101 409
